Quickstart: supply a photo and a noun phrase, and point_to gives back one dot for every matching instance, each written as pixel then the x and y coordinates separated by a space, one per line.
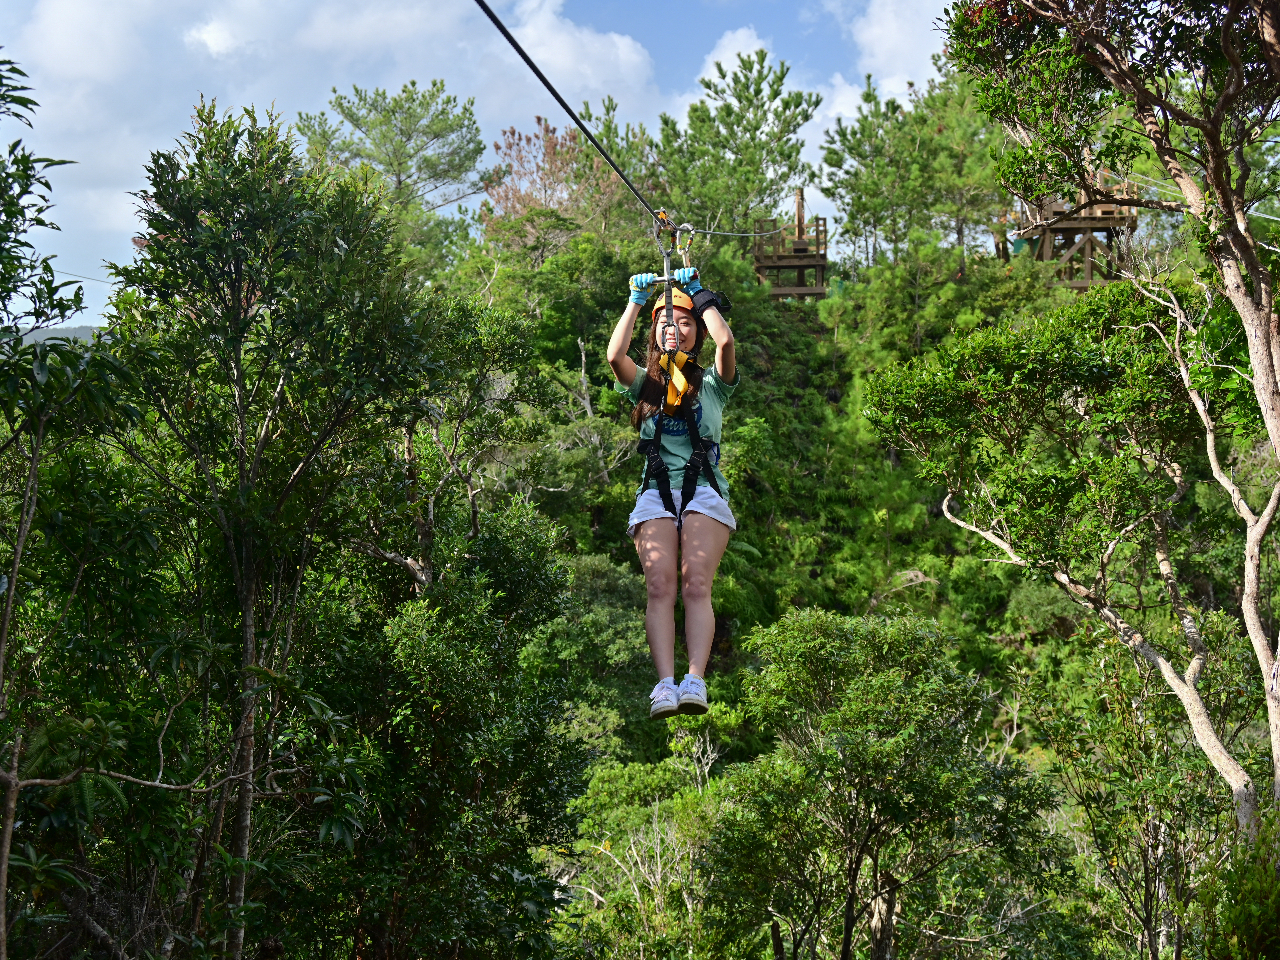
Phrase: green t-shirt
pixel 708 412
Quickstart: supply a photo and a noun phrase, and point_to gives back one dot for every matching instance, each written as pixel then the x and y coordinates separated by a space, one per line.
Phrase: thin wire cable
pixel 560 100
pixel 721 233
pixel 1163 184
pixel 493 17
pixel 79 277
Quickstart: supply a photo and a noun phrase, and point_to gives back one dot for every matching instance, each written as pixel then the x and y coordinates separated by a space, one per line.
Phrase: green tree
pixel 451 427
pixel 267 314
pixel 119 676
pixel 1236 908
pixel 1196 86
pixel 54 391
pixel 882 738
pixel 464 770
pixel 773 863
pixel 964 192
pixel 1148 805
pixel 642 834
pixel 596 647
pixel 423 142
pixel 1073 447
pixel 426 147
pixel 739 155
pixel 274 353
pixel 875 173
pixel 926 164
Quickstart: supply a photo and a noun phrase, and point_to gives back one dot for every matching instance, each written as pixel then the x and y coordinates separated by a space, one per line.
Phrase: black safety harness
pixel 655 468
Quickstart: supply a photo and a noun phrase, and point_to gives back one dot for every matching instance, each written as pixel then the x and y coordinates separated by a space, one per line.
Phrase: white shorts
pixel 705 501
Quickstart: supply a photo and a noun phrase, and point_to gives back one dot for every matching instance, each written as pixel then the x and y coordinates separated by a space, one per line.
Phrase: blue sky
pixel 116 78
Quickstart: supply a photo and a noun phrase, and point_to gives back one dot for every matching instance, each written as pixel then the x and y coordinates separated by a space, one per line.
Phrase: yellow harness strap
pixel 677 385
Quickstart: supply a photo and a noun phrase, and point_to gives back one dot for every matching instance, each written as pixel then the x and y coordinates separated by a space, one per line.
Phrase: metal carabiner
pixel 683 249
pixel 664 224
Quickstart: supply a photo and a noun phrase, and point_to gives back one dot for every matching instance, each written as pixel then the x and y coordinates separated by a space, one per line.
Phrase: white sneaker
pixel 693 694
pixel 664 701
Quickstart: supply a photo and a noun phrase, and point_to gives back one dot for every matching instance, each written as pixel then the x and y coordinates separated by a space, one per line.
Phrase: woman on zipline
pixel 682 507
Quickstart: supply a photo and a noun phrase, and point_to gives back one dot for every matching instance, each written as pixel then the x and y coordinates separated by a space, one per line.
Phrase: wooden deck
pixel 1083 246
pixel 792 256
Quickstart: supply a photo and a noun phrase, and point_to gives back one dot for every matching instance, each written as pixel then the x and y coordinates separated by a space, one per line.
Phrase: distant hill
pixel 74 333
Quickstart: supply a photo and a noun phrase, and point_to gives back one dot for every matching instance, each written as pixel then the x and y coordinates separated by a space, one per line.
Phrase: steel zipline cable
pixel 1174 191
pixel 515 45
pixel 81 277
pixel 488 12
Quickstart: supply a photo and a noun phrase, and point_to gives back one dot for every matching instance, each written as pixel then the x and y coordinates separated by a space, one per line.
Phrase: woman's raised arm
pixel 726 359
pixel 624 368
pixel 717 327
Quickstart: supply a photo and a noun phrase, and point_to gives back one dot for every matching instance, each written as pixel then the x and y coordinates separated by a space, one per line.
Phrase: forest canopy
pixel 322 635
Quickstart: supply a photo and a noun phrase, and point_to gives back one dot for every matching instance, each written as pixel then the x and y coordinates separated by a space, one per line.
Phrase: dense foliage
pixel 322 636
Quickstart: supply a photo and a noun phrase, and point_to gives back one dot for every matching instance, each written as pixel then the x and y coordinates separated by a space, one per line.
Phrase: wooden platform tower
pixel 793 259
pixel 1084 247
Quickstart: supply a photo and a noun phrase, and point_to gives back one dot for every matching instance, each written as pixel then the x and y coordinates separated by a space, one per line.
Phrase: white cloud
pixel 580 61
pixel 72 40
pixel 840 98
pixel 888 35
pixel 215 36
pixel 350 31
pixel 727 48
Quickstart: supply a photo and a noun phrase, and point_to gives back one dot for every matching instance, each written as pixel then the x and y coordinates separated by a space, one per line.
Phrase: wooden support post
pixel 800 237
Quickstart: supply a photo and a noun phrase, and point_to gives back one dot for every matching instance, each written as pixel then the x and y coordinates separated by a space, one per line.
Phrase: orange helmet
pixel 678 299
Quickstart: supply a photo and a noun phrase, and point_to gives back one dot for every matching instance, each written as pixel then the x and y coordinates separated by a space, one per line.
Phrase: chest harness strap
pixel 655 468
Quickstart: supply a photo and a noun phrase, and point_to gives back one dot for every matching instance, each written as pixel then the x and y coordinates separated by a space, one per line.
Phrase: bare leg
pixel 702 543
pixel 657 544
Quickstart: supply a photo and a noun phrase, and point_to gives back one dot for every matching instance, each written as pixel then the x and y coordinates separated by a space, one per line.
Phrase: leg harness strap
pixel 655 468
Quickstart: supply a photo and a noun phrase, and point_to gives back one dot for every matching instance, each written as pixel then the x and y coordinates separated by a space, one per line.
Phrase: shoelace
pixel 657 690
pixel 696 685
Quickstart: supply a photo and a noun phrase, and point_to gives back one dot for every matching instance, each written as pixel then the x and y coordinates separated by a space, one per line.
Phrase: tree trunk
pixel 850 912
pixel 424 524
pixel 211 837
pixel 94 929
pixel 1185 687
pixel 1262 333
pixel 6 842
pixel 883 916
pixel 12 783
pixel 1261 643
pixel 29 494
pixel 775 935
pixel 244 796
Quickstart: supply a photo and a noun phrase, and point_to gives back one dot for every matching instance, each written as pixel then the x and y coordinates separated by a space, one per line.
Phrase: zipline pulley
pixel 664 225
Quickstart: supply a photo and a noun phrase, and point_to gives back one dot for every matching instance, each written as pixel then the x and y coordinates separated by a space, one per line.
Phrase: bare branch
pixel 984 534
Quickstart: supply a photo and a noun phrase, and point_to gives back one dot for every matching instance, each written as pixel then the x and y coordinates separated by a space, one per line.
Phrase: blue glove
pixel 642 285
pixel 687 277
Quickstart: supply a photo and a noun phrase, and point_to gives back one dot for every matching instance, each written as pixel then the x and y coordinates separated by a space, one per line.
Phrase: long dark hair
pixel 653 392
